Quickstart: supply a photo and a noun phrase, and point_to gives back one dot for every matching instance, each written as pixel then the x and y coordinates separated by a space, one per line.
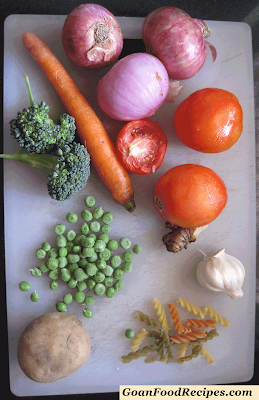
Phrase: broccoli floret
pixel 67 169
pixel 36 132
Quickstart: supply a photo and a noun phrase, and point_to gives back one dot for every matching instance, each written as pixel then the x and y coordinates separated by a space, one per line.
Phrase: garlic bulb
pixel 222 273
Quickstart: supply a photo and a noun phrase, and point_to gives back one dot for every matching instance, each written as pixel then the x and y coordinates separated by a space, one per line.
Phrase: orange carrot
pixel 89 127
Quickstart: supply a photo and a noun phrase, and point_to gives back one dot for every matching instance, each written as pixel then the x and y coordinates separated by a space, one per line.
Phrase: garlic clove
pixel 222 273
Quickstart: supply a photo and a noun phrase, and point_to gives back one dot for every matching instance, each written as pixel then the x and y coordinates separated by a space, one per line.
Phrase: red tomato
pixel 209 120
pixel 141 146
pixel 190 196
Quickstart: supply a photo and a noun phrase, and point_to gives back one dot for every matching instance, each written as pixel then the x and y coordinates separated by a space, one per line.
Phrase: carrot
pixel 89 127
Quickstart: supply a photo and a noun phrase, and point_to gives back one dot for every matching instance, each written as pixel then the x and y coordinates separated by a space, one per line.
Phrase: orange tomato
pixel 209 120
pixel 190 195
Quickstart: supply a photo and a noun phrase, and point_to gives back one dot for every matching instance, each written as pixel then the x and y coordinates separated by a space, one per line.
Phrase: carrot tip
pixel 130 205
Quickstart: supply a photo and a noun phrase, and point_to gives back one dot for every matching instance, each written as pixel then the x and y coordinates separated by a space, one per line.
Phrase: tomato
pixel 190 195
pixel 141 146
pixel 209 120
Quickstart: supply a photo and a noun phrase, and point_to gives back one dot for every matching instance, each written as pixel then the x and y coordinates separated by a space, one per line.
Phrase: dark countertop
pixel 218 10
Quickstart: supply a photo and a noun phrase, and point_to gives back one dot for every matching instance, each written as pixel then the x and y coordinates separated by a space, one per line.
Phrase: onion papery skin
pixel 92 37
pixel 134 88
pixel 177 40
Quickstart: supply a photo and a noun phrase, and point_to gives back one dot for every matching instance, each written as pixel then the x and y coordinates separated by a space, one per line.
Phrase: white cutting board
pixel 30 215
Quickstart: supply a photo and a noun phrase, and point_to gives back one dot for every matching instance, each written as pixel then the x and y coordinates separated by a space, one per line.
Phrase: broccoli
pixel 35 131
pixel 67 169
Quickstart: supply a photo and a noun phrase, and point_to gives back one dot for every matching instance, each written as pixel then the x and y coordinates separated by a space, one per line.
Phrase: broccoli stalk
pixel 36 132
pixel 67 169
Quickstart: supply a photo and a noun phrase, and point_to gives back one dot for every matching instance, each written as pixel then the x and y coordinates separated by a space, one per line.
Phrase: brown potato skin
pixel 52 347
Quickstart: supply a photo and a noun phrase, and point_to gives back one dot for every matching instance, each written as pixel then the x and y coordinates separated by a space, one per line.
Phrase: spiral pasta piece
pixel 218 318
pixel 188 336
pixel 179 327
pixel 197 323
pixel 161 314
pixel 209 335
pixel 167 343
pixel 206 355
pixel 182 350
pixel 147 320
pixel 191 307
pixel 195 352
pixel 139 353
pixel 139 339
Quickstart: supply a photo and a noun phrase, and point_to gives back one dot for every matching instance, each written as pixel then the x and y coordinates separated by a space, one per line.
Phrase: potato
pixel 53 346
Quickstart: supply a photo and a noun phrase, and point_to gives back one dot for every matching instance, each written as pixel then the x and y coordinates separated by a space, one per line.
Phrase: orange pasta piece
pixel 188 336
pixel 179 327
pixel 197 323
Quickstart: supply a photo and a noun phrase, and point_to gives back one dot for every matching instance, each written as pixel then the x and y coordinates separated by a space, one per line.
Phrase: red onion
pixel 134 88
pixel 92 37
pixel 177 40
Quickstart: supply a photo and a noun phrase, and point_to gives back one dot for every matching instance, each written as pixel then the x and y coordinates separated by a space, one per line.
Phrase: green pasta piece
pixel 209 336
pixel 148 321
pixel 138 353
pixel 167 343
pixel 195 352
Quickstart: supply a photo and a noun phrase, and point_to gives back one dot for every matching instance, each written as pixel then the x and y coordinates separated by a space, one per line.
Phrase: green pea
pixel 115 261
pixel 40 254
pixel 89 201
pixel 108 270
pixel 62 262
pixel 99 276
pixel 86 215
pixel 62 251
pixel 34 296
pixel 112 244
pixel 53 285
pixel 105 254
pixel 119 284
pixel 88 242
pixel 60 241
pixel 81 286
pixel 46 246
pixel 125 243
pixel 110 292
pixel 91 269
pixel 92 235
pixel 91 283
pixel 79 297
pixel 94 226
pixel 108 281
pixel 99 289
pixel 88 251
pixel 127 266
pixel 137 248
pixel 77 249
pixel 53 252
pixel 65 274
pixel 72 267
pixel 60 229
pixel 101 264
pixel 73 258
pixel 71 234
pixel 88 313
pixel 69 246
pixel 83 262
pixel 24 286
pixel 71 217
pixel 104 237
pixel 43 266
pixel 89 300
pixel 98 213
pixel 99 245
pixel 85 229
pixel 93 258
pixel 72 283
pixel 52 263
pixel 129 333
pixel 118 273
pixel 61 306
pixel 53 274
pixel 80 275
pixel 107 217
pixel 79 238
pixel 105 228
pixel 35 271
pixel 127 255
pixel 68 298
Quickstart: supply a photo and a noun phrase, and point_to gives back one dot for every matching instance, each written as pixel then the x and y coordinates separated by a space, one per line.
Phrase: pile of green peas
pixel 85 260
